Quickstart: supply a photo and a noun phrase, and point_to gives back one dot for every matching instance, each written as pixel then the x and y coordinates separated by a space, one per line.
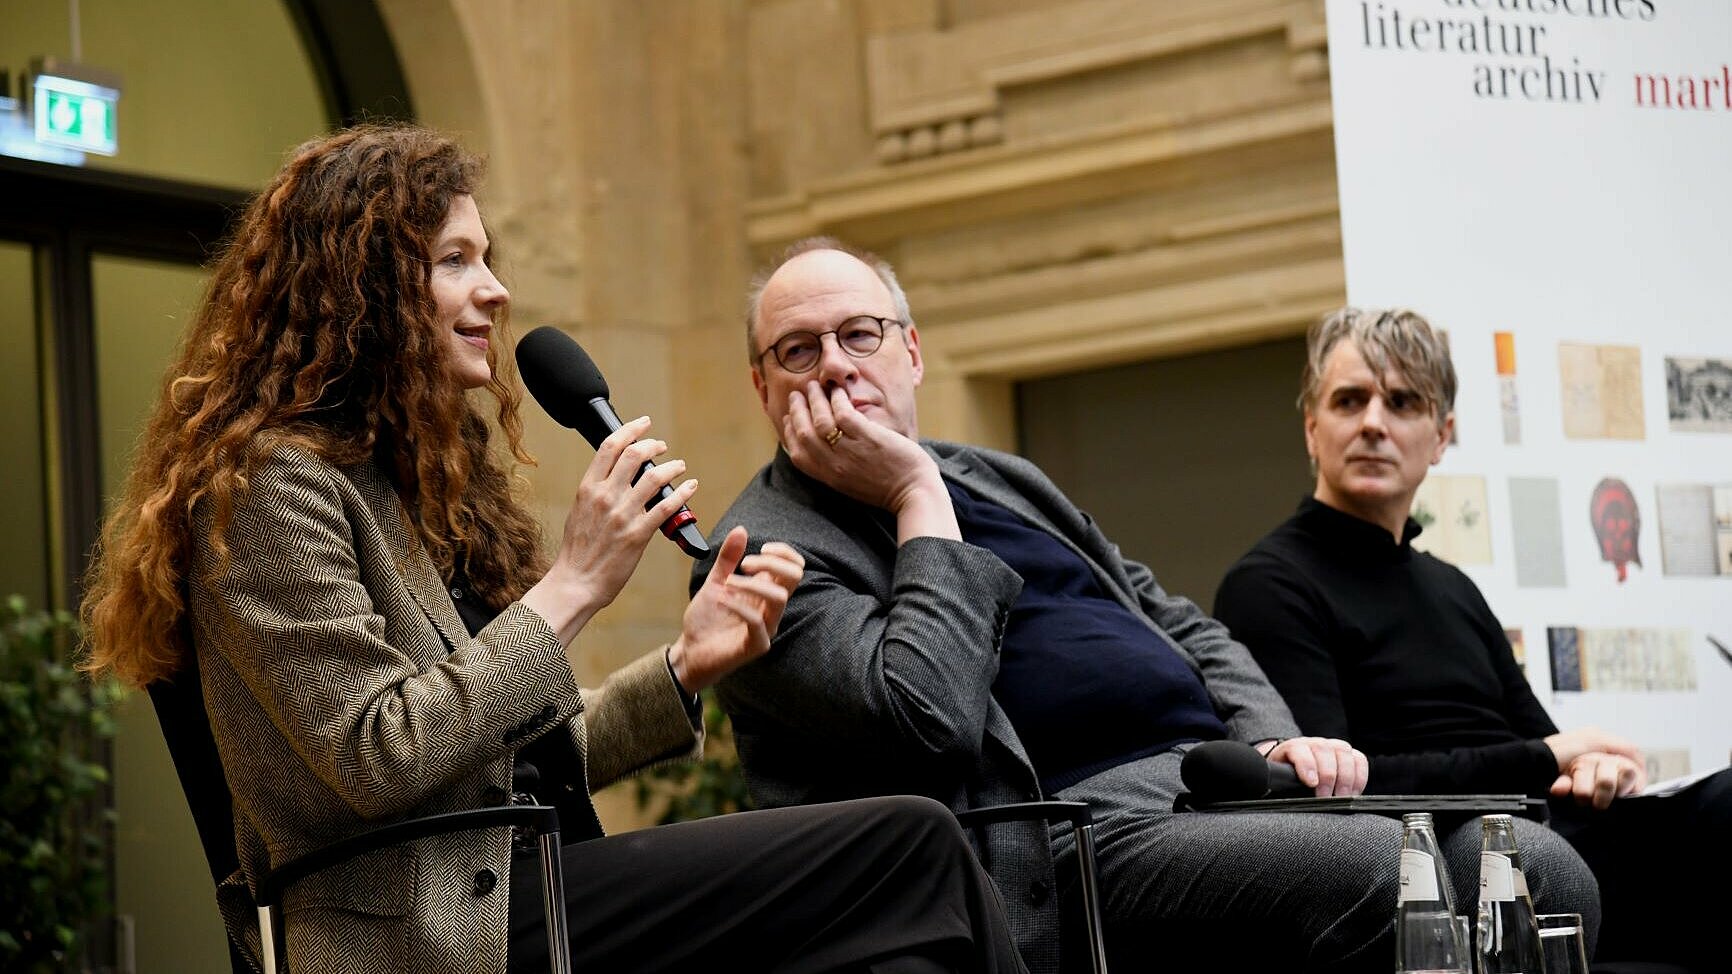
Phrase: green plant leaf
pixel 53 843
pixel 712 785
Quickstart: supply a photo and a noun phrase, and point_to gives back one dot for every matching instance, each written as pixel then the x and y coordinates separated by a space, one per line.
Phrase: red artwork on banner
pixel 1617 523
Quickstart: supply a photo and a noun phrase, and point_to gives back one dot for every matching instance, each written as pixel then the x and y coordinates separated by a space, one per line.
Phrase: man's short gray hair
pixel 755 290
pixel 1395 339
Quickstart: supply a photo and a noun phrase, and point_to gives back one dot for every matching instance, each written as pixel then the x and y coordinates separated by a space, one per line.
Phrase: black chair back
pixel 180 711
pixel 179 705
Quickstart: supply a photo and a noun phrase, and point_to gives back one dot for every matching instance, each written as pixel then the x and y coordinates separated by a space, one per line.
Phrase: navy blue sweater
pixel 1086 684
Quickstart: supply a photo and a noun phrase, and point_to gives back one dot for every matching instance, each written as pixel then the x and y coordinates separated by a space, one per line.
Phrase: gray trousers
pixel 1304 891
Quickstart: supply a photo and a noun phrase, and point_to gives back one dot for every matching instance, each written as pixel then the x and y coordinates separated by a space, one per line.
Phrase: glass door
pixel 162 886
pixel 24 490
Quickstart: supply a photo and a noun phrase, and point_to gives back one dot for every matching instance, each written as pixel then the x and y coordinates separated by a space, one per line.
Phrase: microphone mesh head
pixel 1225 771
pixel 562 378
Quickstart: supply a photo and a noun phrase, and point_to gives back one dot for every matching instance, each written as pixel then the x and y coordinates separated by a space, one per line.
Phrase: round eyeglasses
pixel 859 336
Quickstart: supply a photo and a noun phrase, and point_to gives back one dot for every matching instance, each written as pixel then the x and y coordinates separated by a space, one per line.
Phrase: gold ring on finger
pixel 834 435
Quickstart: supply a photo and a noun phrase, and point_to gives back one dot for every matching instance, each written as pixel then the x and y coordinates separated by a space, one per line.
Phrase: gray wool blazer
pixel 344 692
pixel 880 678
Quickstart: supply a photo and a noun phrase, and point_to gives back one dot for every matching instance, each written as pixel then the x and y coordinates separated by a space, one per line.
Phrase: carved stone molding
pixel 1161 320
pixel 951 135
pixel 873 206
pixel 1191 251
pixel 940 90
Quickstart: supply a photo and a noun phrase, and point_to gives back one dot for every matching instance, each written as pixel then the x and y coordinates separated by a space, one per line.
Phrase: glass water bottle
pixel 1507 934
pixel 1427 937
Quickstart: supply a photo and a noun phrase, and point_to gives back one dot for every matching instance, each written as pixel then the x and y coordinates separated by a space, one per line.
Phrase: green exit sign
pixel 75 114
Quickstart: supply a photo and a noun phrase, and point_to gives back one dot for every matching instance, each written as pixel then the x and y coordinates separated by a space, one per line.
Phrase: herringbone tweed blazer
pixel 880 678
pixel 344 692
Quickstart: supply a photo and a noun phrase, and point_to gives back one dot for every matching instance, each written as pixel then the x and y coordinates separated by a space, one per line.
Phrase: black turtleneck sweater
pixel 1392 650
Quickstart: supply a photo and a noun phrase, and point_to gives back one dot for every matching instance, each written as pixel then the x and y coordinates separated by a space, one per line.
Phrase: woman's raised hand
pixel 607 528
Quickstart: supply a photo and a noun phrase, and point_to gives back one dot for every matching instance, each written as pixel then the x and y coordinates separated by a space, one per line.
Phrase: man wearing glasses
pixel 965 632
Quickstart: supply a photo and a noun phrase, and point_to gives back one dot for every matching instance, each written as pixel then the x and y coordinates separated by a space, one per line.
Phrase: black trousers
pixel 880 884
pixel 1661 863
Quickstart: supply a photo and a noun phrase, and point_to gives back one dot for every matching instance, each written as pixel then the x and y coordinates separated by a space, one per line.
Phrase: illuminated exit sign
pixel 75 114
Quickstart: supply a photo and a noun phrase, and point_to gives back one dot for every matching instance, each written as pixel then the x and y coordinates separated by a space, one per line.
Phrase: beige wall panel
pixel 440 67
pixel 1001 180
pixel 886 16
pixel 924 78
pixel 807 96
pixel 1190 84
pixel 524 61
pixel 1244 194
pixel 959 12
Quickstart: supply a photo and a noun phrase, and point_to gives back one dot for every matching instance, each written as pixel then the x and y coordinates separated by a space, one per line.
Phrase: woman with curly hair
pixel 319 527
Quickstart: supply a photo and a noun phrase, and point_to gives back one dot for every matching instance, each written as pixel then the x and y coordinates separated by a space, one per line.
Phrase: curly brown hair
pixel 318 328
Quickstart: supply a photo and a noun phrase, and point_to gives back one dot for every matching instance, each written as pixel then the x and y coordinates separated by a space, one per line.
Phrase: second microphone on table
pixel 1227 771
pixel 564 380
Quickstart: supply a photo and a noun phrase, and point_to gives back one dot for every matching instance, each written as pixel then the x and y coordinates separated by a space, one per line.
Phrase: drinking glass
pixel 1562 943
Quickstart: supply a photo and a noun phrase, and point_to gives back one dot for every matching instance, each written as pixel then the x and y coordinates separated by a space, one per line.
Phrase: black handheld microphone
pixel 563 379
pixel 1230 771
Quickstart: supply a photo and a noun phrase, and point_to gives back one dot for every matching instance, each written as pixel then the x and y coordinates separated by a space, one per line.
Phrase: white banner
pixel 1550 181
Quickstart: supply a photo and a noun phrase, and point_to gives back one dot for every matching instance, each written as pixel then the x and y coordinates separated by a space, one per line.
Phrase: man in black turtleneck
pixel 1396 650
